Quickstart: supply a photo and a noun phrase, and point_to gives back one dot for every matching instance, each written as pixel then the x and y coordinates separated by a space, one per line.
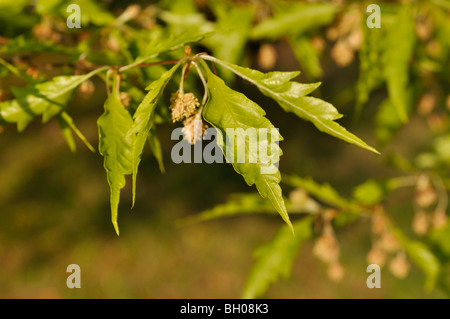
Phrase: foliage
pixel 401 78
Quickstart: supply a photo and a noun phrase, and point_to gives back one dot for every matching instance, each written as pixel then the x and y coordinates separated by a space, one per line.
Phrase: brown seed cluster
pixel 183 106
pixel 348 36
pixel 426 198
pixel 193 129
pixel 385 245
pixel 326 248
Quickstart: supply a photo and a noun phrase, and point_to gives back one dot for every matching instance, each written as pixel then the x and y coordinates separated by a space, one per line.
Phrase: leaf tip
pixel 116 227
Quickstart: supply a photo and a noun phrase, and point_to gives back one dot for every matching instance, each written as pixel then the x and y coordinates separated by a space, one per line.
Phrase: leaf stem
pixel 202 78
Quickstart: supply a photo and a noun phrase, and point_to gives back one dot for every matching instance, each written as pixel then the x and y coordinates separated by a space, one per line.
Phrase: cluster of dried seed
pixel 348 36
pixel 193 129
pixel 326 248
pixel 184 108
pixel 183 105
pixel 426 198
pixel 385 244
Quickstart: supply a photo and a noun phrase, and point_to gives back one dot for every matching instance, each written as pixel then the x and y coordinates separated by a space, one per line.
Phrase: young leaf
pixel 306 55
pixel 370 73
pixel 48 98
pixel 233 25
pixel 276 258
pixel 291 97
pixel 66 118
pixel 228 109
pixel 398 50
pixel 115 144
pixel 67 134
pixel 143 120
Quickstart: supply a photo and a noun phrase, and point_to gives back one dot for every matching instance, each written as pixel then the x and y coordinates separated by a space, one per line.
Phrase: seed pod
pixel 335 271
pixel 427 103
pixel 388 242
pixel 379 220
pixel 125 98
pixel 183 106
pixel 439 219
pixel 326 248
pixel 420 224
pixel 425 193
pixel 267 56
pixel 354 40
pixel 298 197
pixel 399 266
pixel 193 130
pixel 376 256
pixel 342 53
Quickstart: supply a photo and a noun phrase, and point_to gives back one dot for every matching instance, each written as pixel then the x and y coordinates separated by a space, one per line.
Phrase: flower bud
pixel 420 224
pixel 399 266
pixel 183 106
pixel 335 271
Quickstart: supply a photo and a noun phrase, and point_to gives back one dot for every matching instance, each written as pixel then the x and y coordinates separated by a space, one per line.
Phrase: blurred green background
pixel 54 205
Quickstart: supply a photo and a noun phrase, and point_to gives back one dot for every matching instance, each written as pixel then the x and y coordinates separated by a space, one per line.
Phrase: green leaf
pixel 370 59
pixel 67 134
pixel 47 99
pixel 276 258
pixel 324 192
pixel 441 238
pixel 387 121
pixel 422 257
pixel 291 97
pixel 167 44
pixel 228 109
pixel 115 144
pixel 369 193
pixel 143 120
pixel 398 50
pixel 306 55
pixel 295 19
pixel 68 120
pixel 155 146
pixel 232 32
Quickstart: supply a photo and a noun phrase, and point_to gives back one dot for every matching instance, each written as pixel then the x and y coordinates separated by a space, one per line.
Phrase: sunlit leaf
pixel 115 144
pixel 228 109
pixel 45 99
pixel 143 120
pixel 67 134
pixel 291 97
pixel 306 55
pixel 370 59
pixel 397 52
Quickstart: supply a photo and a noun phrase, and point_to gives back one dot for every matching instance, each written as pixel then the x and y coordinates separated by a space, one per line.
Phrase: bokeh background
pixel 54 205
